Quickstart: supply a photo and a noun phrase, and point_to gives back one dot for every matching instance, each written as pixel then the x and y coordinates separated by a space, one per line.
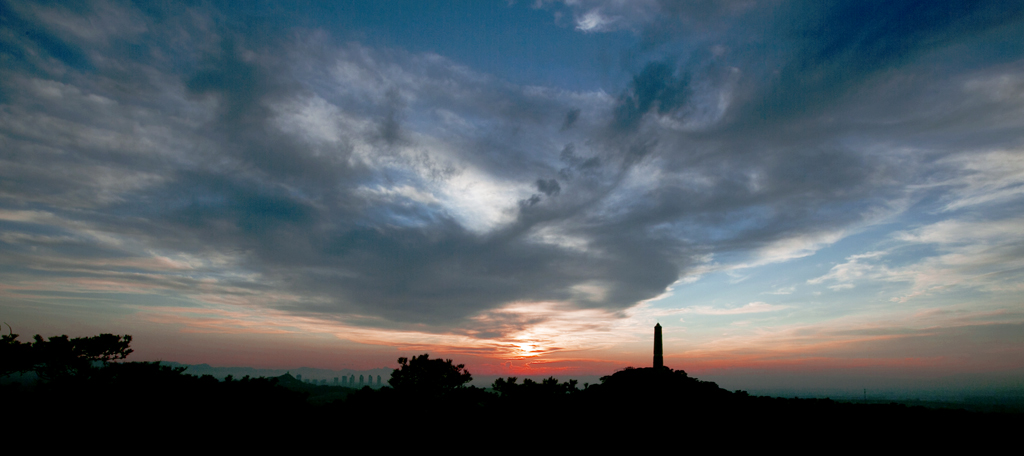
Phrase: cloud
pixel 303 192
pixel 954 232
pixel 851 270
pixel 656 88
pixel 979 255
pixel 753 307
pixel 781 291
pixel 594 16
pixel 570 118
pixel 383 187
pixel 548 187
pixel 987 178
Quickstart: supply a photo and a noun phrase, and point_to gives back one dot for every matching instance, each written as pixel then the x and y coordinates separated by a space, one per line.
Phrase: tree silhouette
pixel 547 389
pixel 59 356
pixel 423 376
pixel 16 356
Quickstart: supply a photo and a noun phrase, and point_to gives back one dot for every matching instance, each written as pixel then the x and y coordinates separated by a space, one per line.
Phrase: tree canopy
pixel 546 389
pixel 429 377
pixel 60 356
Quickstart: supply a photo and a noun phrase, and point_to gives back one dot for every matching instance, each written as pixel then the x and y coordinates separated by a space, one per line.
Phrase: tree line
pixel 91 374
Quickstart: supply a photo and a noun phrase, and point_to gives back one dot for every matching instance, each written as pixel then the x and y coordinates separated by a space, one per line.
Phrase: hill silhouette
pixel 661 406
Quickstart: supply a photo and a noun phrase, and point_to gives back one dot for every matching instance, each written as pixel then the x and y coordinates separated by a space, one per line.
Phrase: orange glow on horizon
pixel 559 347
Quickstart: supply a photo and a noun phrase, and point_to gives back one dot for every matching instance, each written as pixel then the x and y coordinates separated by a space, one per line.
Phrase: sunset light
pixel 804 195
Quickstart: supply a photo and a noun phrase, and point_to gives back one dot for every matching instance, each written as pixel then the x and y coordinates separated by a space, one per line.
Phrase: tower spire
pixel 659 362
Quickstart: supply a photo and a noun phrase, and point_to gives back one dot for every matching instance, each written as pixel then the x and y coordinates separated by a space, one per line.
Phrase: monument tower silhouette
pixel 659 362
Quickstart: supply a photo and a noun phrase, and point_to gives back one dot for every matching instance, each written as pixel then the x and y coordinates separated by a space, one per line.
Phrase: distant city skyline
pixel 801 193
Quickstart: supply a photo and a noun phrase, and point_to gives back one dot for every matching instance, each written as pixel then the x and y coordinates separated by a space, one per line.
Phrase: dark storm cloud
pixel 780 154
pixel 548 187
pixel 842 45
pixel 575 162
pixel 570 118
pixel 803 56
pixel 390 129
pixel 241 86
pixel 331 170
pixel 296 213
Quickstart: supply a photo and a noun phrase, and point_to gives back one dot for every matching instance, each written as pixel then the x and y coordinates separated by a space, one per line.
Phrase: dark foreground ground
pixel 631 409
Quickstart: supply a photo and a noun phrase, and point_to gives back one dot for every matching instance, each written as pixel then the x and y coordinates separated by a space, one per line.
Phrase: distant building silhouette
pixel 352 381
pixel 378 381
pixel 360 380
pixel 298 377
pixel 335 380
pixel 659 362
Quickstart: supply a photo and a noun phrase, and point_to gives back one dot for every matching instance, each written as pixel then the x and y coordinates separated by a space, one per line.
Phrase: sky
pixel 794 190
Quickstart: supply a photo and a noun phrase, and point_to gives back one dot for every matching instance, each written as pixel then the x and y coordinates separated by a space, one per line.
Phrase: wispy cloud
pixel 753 307
pixel 781 291
pixel 980 255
